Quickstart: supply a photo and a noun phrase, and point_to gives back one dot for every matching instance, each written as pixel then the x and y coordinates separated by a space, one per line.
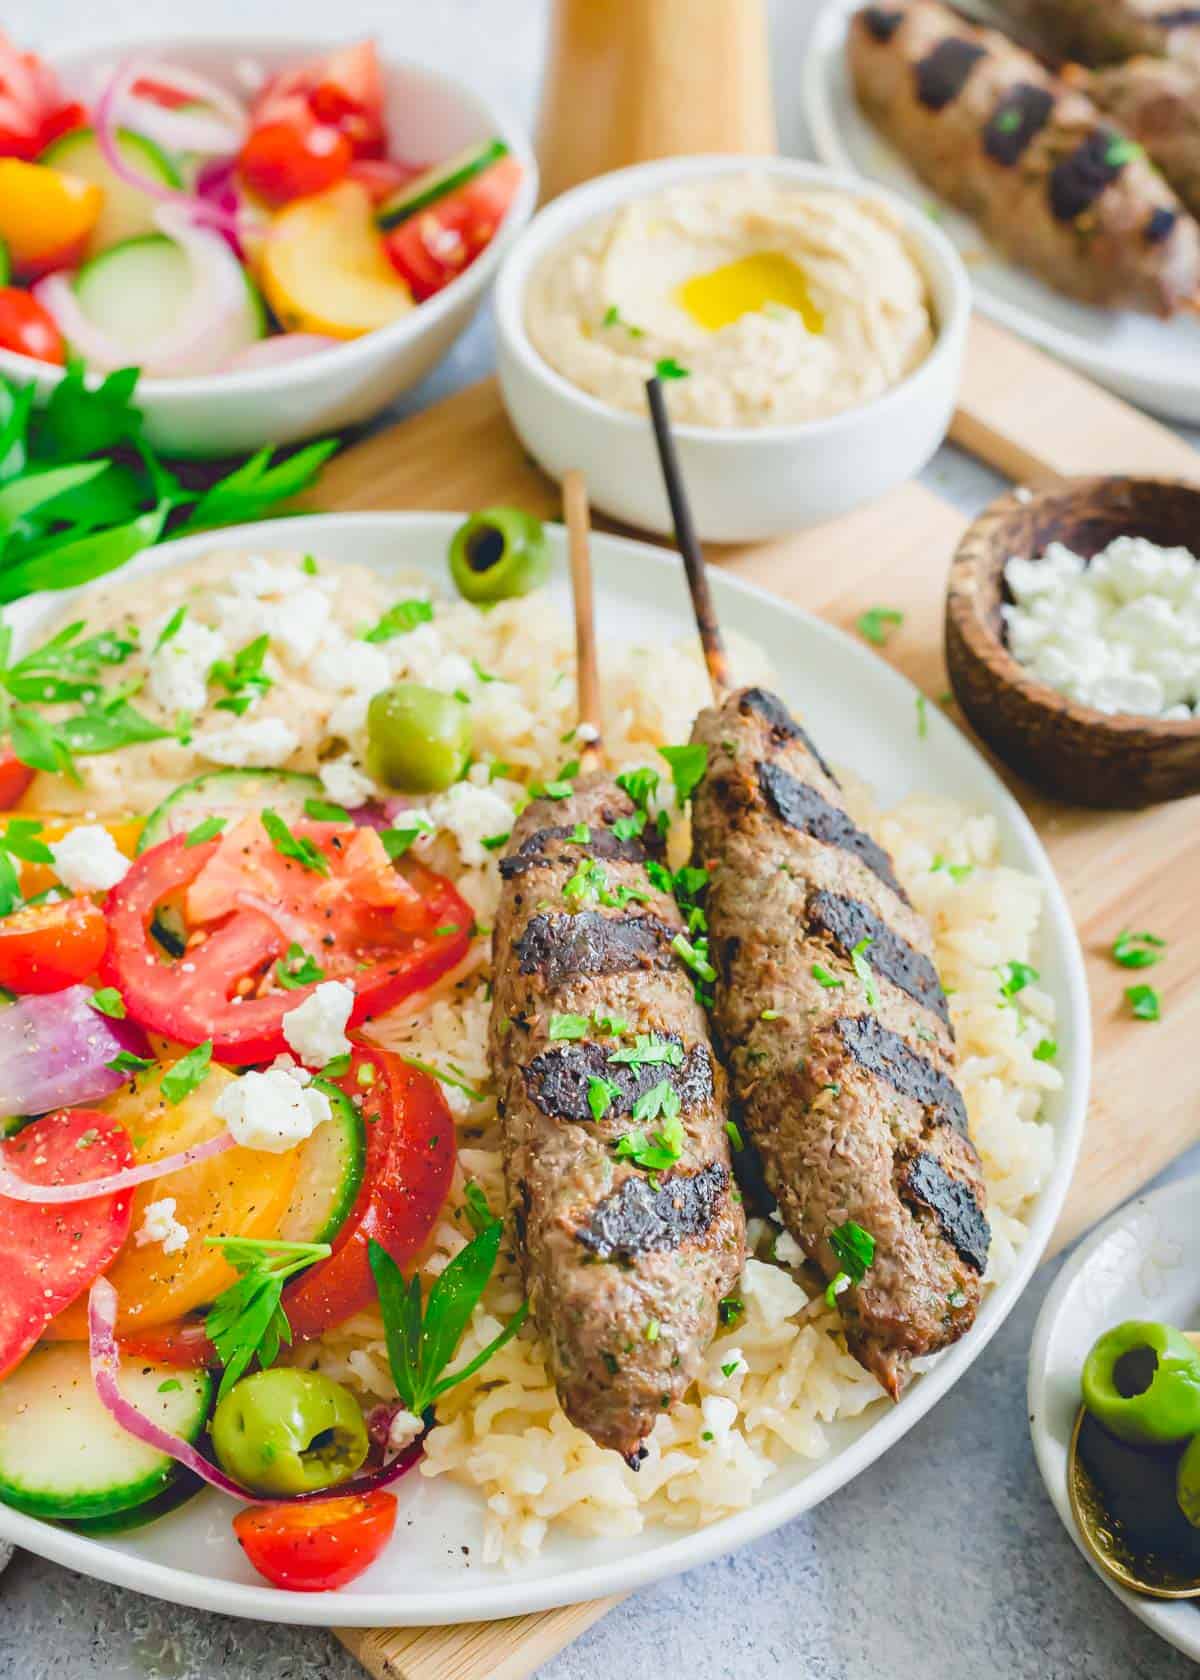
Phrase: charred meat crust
pixel 557 1080
pixel 1077 180
pixel 640 1216
pixel 953 1204
pixel 534 850
pixel 781 723
pixel 941 75
pixel 848 922
pixel 560 947
pixel 1021 115
pixel 799 805
pixel 884 1053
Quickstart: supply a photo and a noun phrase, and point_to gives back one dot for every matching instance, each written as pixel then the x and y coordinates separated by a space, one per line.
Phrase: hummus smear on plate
pixel 762 303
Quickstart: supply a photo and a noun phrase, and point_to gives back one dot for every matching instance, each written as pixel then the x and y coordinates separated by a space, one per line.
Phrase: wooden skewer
pixel 578 522
pixel 711 641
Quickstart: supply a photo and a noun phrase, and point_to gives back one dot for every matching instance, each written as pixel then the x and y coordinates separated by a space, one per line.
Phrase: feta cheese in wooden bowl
pixel 1073 637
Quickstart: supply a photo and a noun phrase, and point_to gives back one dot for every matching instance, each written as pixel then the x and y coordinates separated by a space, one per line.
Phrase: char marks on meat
pixel 560 946
pixel 884 1053
pixel 1077 181
pixel 539 849
pixel 559 1079
pixel 641 1217
pixel 850 922
pixel 953 1203
pixel 942 74
pixel 802 806
pixel 1021 115
pixel 782 724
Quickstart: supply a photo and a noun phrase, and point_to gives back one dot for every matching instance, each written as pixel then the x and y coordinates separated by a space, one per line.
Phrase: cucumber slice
pixel 128 212
pixel 5 265
pixel 63 1455
pixel 331 1173
pixel 137 291
pixel 438 183
pixel 185 1486
pixel 228 793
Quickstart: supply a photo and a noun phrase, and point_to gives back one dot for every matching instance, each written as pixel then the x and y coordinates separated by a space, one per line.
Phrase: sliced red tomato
pixel 48 946
pixel 160 93
pixel 32 108
pixel 319 1546
pixel 344 89
pixel 183 1344
pixel 285 160
pixel 436 245
pixel 28 328
pixel 410 1162
pixel 50 1255
pixel 388 931
pixel 15 777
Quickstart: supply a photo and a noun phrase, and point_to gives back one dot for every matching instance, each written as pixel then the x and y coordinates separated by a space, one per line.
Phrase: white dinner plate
pixel 1150 362
pixel 863 713
pixel 1144 1262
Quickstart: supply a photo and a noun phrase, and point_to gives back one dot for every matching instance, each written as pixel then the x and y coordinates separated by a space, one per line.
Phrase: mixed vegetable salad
pixel 203 1161
pixel 163 221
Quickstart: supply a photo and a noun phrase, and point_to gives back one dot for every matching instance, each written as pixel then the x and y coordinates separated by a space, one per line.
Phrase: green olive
pixel 1187 1482
pixel 1142 1382
pixel 285 1431
pixel 418 739
pixel 499 554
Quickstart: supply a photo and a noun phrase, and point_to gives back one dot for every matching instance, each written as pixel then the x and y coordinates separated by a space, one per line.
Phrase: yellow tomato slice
pixel 45 215
pixel 36 877
pixel 324 269
pixel 243 1193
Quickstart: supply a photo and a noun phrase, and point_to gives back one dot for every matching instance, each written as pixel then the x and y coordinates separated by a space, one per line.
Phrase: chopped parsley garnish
pixel 660 876
pixel 493 842
pixel 695 956
pixel 661 1099
pixel 922 717
pixel 170 1385
pixel 309 566
pixel 422 1338
pixel 862 968
pixel 206 830
pixel 108 1001
pixel 660 1151
pixel 614 318
pixel 243 677
pixel 126 1062
pixel 1045 1050
pixel 651 1331
pixel 736 1141
pixel 957 871
pixel 824 978
pixel 581 834
pixel 614 1025
pixel 188 1072
pixel 628 828
pixel 324 810
pixel 338 1067
pixel 1138 950
pixel 668 368
pixel 478 1212
pixel 956 1298
pixel 601 1094
pixel 877 624
pixel 396 841
pixel 297 969
pixel 730 1367
pixel 640 785
pixel 854 1250
pixel 481 675
pixel 399 620
pixel 247 1320
pixel 1121 150
pixel 688 764
pixel 568 1026
pixel 587 883
pixel 171 628
pixel 730 1309
pixel 771 1015
pixel 647 1051
pixel 1144 1003
pixel 1008 121
pixel 289 845
pixel 1015 976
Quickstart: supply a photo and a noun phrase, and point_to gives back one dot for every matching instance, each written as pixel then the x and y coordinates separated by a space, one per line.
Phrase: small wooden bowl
pixel 1072 752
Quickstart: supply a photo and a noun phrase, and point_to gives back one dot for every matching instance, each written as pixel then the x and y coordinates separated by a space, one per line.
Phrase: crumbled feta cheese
pixel 787 1250
pixel 720 1415
pixel 271 1110
pixel 587 734
pixel 403 1430
pixel 177 676
pixel 88 860
pixel 1121 634
pixel 159 1225
pixel 250 743
pixel 345 783
pixel 774 1294
pixel 280 602
pixel 316 1028
pixel 471 814
pixel 284 1063
pixel 347 667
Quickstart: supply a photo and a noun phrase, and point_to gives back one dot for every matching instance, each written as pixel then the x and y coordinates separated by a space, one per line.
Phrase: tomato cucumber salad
pixel 230 807
pixel 162 220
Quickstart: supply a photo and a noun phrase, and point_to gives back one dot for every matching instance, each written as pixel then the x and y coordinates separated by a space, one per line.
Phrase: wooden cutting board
pixel 1033 421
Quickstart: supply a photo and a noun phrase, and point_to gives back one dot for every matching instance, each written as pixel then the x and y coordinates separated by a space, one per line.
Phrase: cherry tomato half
pixel 183 1344
pixel 15 777
pixel 387 931
pixel 317 1546
pixel 285 160
pixel 29 329
pixel 410 1162
pixel 344 89
pixel 436 245
pixel 45 947
pixel 32 108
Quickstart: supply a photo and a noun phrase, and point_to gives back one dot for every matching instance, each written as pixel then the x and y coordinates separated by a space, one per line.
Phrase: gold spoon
pixel 1146 1572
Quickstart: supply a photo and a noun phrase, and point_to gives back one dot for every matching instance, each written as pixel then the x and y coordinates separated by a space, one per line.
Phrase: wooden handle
pixel 628 80
pixel 508 1650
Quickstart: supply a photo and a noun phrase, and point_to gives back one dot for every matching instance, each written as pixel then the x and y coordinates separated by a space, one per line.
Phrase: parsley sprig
pixel 19 843
pixel 247 1320
pixel 854 1250
pixel 422 1337
pixel 298 846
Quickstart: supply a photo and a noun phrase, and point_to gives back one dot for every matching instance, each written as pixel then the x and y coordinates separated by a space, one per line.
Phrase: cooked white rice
pixel 503 1432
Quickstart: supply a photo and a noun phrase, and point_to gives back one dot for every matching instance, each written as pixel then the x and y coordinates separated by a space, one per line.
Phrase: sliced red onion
pixel 371 815
pixel 217 184
pixel 106 1364
pixel 221 127
pixel 282 348
pixel 57 296
pixel 54 1048
pixel 18 1189
pixel 105 123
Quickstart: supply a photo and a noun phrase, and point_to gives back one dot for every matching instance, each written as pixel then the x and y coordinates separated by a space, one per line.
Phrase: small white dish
pixel 429 116
pixel 1155 364
pixel 745 483
pixel 1144 1262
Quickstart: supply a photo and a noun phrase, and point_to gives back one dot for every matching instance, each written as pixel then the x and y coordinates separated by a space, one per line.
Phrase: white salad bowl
pixel 430 116
pixel 746 482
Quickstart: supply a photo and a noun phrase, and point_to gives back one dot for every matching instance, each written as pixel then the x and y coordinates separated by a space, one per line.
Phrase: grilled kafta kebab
pixel 1108 31
pixel 613 1109
pixel 1157 101
pixel 831 1020
pixel 1051 183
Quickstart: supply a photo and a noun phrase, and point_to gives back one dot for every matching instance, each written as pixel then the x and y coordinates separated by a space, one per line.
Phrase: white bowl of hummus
pixel 808 328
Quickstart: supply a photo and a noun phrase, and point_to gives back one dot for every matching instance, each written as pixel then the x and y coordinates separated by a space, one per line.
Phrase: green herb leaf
pixel 399 620
pixel 323 810
pixel 247 1321
pixel 922 717
pixel 126 1062
pixel 854 1250
pixel 736 1141
pixel 290 845
pixel 1144 1002
pixel 688 764
pixel 568 1026
pixel 396 841
pixel 188 1072
pixel 478 1212
pixel 1045 1050
pixel 668 368
pixel 601 1094
pixel 877 624
pixel 108 1001
pixel 1138 950
pixel 694 956
pixel 862 968
pixel 639 785
pixel 454 1077
pixel 297 969
pixel 245 494
pixel 648 1051
pixel 824 978
pixel 243 676
pixel 1015 976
